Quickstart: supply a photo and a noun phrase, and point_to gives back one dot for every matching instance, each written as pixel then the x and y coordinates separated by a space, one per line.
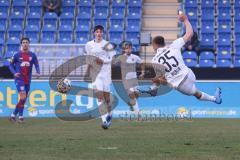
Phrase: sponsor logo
pixel 182 112
pixel 32 112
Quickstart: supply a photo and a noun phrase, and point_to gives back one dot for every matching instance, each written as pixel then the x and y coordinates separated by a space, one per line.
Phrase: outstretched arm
pixel 189 31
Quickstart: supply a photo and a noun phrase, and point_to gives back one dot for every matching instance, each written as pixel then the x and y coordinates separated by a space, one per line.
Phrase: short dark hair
pixel 25 38
pixel 123 44
pixel 98 27
pixel 159 40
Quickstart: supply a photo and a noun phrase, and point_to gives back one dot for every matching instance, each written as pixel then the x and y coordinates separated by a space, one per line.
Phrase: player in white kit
pixel 101 67
pixel 177 75
pixel 128 62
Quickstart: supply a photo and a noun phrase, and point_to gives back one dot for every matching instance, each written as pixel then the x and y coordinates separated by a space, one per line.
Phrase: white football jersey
pixel 171 58
pixel 96 49
pixel 128 66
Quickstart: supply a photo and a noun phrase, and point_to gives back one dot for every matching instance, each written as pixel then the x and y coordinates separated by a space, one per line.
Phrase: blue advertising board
pixel 42 101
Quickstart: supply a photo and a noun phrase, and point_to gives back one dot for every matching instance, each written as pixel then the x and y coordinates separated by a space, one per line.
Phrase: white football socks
pixel 135 107
pixel 207 97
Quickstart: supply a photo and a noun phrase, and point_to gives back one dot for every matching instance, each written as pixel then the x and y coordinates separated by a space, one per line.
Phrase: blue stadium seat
pixel 133 22
pixel 189 55
pixel 206 63
pixel 86 9
pixel 190 62
pixel 207 14
pixel 69 9
pixel 207 55
pixel 116 35
pixel 237 39
pixel 224 53
pixel 237 4
pixel 66 19
pixel 237 51
pixel 83 28
pixel 224 14
pixel 191 3
pixel 13 44
pixel 236 62
pixel 35 3
pixel 48 34
pixel 102 22
pixel 84 15
pixel 34 19
pixel 118 3
pixel 136 10
pixel 207 4
pixel 36 9
pixel 102 3
pixel 84 22
pixel 48 40
pixel 19 6
pixel 224 27
pixel 237 15
pixel 68 3
pixel 118 13
pixel 224 4
pixel 32 32
pixel 133 29
pixel 50 18
pixel 116 40
pixel 119 22
pixel 224 40
pixel 130 35
pixel 1 47
pixel 83 34
pixel 3 18
pixel 207 40
pixel 81 40
pixel 4 6
pixel 116 28
pixel 207 27
pixel 85 3
pixel 101 13
pixel 2 32
pixel 135 3
pixel 191 13
pixel 17 18
pixel 224 63
pixel 15 31
pixel 65 34
pixel 236 28
pixel 134 15
pixel 194 24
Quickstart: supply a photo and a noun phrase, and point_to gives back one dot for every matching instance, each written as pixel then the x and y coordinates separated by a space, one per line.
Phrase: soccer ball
pixel 63 85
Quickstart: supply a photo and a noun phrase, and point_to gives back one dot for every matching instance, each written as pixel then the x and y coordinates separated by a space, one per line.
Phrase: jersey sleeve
pixel 12 64
pixel 138 59
pixel 178 43
pixel 87 49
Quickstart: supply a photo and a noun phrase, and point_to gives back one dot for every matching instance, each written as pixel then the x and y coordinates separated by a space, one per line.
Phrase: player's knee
pixel 132 95
pixel 23 96
pixel 132 102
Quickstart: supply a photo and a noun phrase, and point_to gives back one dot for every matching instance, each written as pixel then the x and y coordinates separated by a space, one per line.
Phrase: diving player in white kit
pixel 177 75
pixel 101 66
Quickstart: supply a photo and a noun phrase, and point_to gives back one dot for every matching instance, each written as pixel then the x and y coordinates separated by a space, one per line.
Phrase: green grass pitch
pixel 53 139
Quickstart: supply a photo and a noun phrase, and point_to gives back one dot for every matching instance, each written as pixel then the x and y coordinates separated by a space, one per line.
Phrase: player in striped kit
pixel 21 67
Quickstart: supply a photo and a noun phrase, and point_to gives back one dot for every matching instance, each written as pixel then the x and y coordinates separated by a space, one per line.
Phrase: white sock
pixel 20 117
pixel 135 107
pixel 104 117
pixel 154 86
pixel 207 97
